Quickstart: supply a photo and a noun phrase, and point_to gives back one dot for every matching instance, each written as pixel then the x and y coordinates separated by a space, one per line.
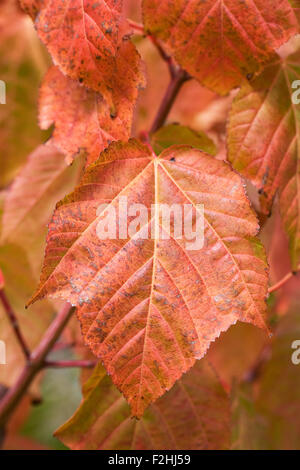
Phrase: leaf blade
pixel 147 319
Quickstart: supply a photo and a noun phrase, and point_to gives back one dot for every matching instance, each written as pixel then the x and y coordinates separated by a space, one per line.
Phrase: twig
pixel 172 91
pixel 62 364
pixel 14 323
pixel 34 364
pixel 281 283
pixel 139 28
pixel 166 57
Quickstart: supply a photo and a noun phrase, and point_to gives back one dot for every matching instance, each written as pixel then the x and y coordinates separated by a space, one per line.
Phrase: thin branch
pixel 14 323
pixel 281 283
pixel 34 364
pixel 172 91
pixel 139 28
pixel 63 364
pixel 166 57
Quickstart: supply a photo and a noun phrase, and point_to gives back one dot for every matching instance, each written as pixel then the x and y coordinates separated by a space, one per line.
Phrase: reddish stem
pixel 168 100
pixel 35 363
pixel 281 283
pixel 14 323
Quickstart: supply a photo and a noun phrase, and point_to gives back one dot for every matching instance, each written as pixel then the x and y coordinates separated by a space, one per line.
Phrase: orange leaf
pixel 263 141
pixel 149 307
pixel 193 415
pixel 88 42
pixel 82 117
pixel 221 41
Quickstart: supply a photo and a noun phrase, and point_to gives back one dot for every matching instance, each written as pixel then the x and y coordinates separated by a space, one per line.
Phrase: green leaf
pixel 182 135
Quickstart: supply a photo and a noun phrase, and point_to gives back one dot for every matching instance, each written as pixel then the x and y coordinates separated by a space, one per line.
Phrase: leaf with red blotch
pixel 88 42
pixel 264 139
pixel 220 42
pixel 82 117
pixel 103 421
pixel 150 304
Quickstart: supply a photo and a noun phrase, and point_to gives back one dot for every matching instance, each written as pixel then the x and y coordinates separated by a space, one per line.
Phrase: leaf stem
pixel 139 28
pixel 281 283
pixel 14 323
pixel 176 82
pixel 34 364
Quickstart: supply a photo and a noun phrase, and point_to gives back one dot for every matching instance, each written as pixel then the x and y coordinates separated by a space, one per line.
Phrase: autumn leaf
pixel 31 199
pixel 148 306
pixel 90 45
pixel 23 62
pixel 103 421
pixel 82 117
pixel 220 42
pixel 264 107
pixel 175 134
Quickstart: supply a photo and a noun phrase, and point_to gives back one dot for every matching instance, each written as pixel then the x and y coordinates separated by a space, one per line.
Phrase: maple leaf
pixel 264 107
pixel 82 117
pixel 103 420
pixel 221 41
pixel 149 307
pixel 88 42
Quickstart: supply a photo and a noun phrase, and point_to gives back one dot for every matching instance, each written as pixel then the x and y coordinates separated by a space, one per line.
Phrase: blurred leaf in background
pixel 23 62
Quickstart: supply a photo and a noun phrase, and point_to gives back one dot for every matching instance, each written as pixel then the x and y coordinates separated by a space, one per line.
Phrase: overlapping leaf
pixel 148 306
pixel 264 139
pixel 82 117
pixel 88 42
pixel 221 41
pixel 173 134
pixel 193 415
